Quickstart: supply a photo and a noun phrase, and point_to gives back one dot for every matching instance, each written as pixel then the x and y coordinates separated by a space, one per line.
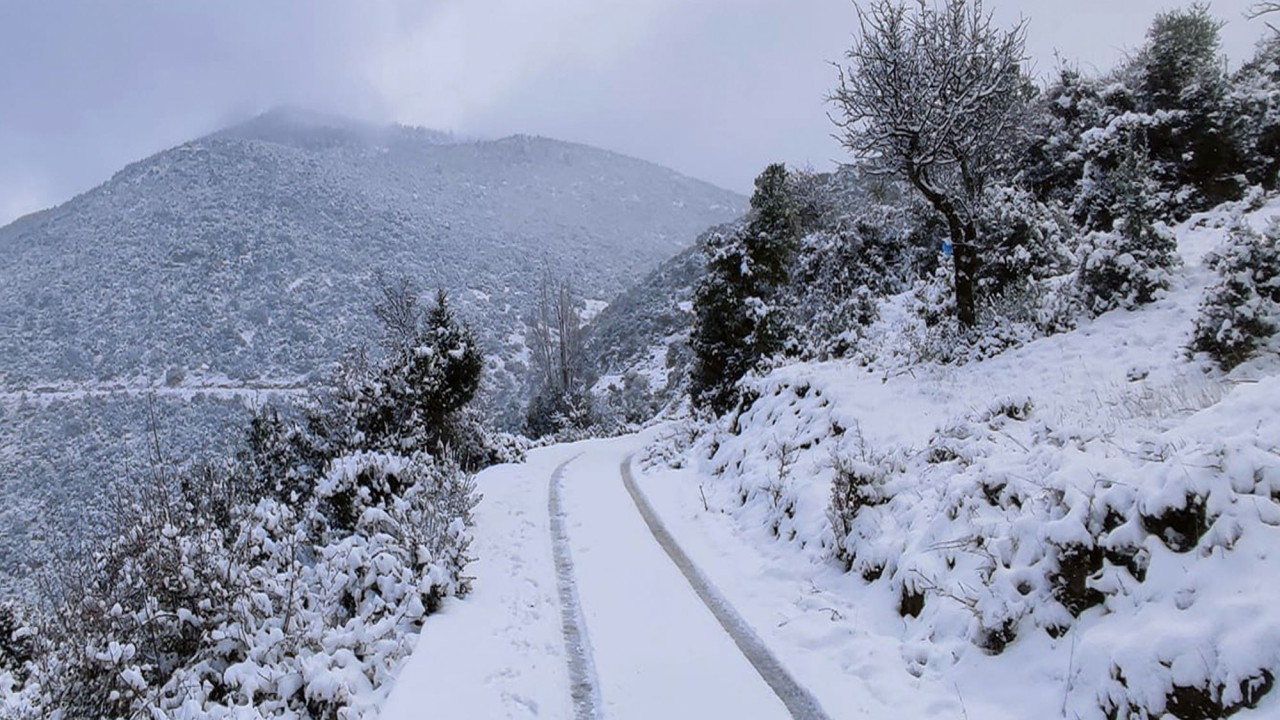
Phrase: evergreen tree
pixel 1126 266
pixel 1068 107
pixel 412 400
pixel 737 322
pixel 1254 103
pixel 1241 311
pixel 1182 84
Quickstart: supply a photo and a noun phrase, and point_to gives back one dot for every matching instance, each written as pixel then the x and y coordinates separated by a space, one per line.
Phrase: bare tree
pixel 398 310
pixel 1259 9
pixel 933 94
pixel 557 336
pixel 1262 8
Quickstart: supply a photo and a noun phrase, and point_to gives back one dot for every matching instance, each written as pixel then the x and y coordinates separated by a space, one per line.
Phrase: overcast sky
pixel 713 88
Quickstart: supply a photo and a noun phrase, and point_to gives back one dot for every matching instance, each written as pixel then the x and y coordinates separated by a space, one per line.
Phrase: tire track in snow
pixel 799 701
pixel 584 686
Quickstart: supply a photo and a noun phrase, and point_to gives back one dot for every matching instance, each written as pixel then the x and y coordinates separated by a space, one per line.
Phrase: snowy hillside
pixel 982 425
pixel 248 254
pixel 239 266
pixel 1090 518
pixel 644 331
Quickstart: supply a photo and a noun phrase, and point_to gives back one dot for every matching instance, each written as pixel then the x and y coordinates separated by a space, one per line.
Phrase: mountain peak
pixel 310 129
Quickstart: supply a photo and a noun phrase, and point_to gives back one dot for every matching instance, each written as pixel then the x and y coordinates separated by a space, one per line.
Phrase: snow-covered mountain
pixel 249 253
pixel 243 263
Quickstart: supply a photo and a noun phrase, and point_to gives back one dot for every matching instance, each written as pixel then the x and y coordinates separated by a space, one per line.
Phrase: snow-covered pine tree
pixel 737 322
pixel 1071 104
pixel 1241 311
pixel 1254 103
pixel 1182 85
pixel 1022 240
pixel 1126 266
pixel 412 399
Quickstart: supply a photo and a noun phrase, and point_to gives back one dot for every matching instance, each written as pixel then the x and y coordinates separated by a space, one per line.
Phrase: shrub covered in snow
pixel 1241 311
pixel 863 238
pixel 1023 240
pixel 204 602
pixel 628 402
pixel 1035 308
pixel 16 642
pixel 1126 266
pixel 291 580
pixel 1010 522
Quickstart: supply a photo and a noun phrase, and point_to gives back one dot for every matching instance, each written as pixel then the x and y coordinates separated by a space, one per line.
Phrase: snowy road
pixel 648 641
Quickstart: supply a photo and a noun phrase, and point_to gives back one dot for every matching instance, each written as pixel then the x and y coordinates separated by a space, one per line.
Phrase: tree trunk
pixel 965 256
pixel 964 249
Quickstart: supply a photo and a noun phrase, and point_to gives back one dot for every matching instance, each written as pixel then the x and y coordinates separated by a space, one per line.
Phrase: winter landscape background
pixel 314 417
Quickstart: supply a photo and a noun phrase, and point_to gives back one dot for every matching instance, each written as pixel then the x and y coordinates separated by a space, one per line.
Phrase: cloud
pixel 456 61
pixel 713 88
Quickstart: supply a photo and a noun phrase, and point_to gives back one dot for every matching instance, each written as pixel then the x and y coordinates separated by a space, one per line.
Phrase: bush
pixel 1127 267
pixel 632 403
pixel 194 607
pixel 140 607
pixel 293 579
pixel 857 484
pixel 279 457
pixel 17 646
pixel 1242 309
pixel 474 446
pixel 1022 240
pixel 1004 321
pixel 555 413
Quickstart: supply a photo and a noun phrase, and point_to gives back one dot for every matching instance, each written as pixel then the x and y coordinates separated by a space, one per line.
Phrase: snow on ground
pixel 499 652
pixel 1084 524
pixel 1082 527
pixel 657 650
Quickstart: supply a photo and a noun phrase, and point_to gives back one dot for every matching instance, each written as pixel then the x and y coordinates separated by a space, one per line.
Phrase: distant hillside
pixel 248 254
pixel 645 329
pixel 241 265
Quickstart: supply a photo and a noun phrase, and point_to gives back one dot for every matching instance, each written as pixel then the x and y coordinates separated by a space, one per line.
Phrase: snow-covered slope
pixel 645 329
pixel 249 253
pixel 242 264
pixel 1085 526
